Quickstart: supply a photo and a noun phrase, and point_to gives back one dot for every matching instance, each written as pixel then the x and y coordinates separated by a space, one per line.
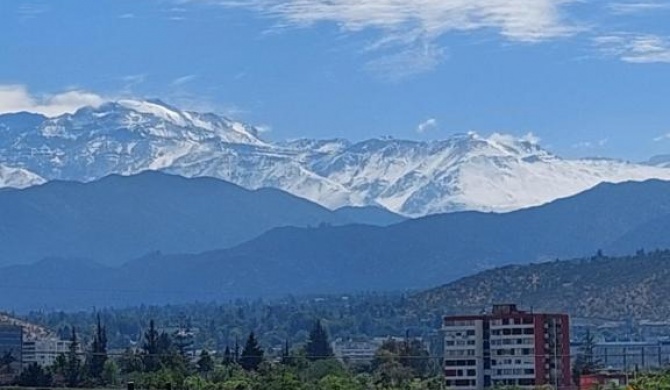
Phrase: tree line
pixel 164 360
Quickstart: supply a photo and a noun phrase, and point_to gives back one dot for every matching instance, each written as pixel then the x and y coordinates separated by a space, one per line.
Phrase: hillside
pixel 631 287
pixel 119 218
pixel 30 330
pixel 412 255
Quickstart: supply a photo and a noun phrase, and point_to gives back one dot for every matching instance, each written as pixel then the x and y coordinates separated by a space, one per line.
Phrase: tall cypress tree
pixel 286 354
pixel 252 354
pixel 228 358
pixel 99 351
pixel 318 346
pixel 151 348
pixel 73 368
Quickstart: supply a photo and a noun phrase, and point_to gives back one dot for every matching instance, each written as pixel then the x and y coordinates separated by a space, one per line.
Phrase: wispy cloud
pixel 131 81
pixel 664 137
pixel 179 81
pixel 635 48
pixel 413 27
pixel 601 143
pixel 400 65
pixel 263 128
pixel 17 98
pixel 637 7
pixel 518 20
pixel 31 10
pixel 127 16
pixel 428 124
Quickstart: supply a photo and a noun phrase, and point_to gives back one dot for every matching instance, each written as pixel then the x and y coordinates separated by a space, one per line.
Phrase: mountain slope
pixel 464 172
pixel 18 178
pixel 414 254
pixel 632 287
pixel 119 218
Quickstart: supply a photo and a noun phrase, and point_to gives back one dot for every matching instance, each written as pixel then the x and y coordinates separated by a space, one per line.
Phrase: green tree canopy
pixel 318 346
pixel 252 354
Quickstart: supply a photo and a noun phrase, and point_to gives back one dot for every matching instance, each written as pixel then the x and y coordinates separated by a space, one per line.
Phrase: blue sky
pixel 588 77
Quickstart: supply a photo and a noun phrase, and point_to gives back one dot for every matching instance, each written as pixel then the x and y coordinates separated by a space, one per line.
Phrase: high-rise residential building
pixel 507 347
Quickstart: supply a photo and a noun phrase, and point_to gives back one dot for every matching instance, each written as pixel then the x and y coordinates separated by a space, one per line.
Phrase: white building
pixel 44 352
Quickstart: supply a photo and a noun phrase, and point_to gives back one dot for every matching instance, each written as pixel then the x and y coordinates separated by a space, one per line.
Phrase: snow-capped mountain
pixel 464 172
pixel 18 177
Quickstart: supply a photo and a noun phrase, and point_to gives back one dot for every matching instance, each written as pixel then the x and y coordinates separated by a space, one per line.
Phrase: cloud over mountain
pixel 17 98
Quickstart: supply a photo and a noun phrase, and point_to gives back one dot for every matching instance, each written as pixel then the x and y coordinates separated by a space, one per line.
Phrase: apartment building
pixel 507 347
pixel 44 352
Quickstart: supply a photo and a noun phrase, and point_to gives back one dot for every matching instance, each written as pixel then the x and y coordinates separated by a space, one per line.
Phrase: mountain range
pixel 464 172
pixel 118 218
pixel 410 255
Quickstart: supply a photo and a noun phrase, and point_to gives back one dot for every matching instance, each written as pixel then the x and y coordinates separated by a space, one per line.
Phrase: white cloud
pixel 406 63
pixel 601 143
pixel 17 98
pixel 635 48
pixel 413 26
pixel 263 128
pixel 31 10
pixel 518 20
pixel 511 139
pixel 638 7
pixel 183 80
pixel 127 16
pixel 663 137
pixel 429 124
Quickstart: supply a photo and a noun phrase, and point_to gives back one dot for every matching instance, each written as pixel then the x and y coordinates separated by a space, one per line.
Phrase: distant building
pixel 11 344
pixel 629 355
pixel 359 351
pixel 507 347
pixel 44 352
pixel 356 351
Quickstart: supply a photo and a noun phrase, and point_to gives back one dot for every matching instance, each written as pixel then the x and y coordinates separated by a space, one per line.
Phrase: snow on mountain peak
pixel 158 119
pixel 155 108
pixel 468 171
pixel 18 177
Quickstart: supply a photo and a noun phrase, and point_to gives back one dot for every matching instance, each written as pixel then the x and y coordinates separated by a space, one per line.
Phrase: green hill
pixel 597 287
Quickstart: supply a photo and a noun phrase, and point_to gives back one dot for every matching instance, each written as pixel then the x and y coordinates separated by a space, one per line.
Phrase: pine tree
pixel 73 368
pixel 151 348
pixel 99 352
pixel 205 362
pixel 318 346
pixel 252 354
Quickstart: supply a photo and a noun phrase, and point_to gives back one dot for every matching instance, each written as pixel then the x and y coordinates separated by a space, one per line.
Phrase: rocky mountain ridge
pixel 464 172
